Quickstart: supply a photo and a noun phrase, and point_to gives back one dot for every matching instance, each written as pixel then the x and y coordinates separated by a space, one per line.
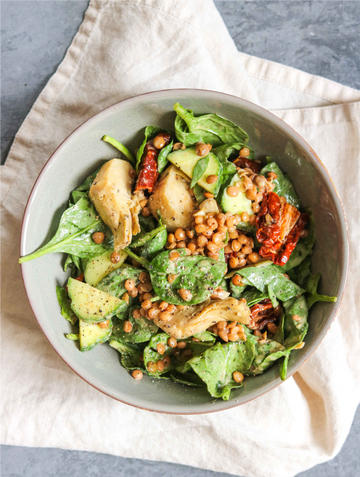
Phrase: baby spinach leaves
pixel 120 147
pixel 140 242
pixel 208 128
pixel 130 354
pixel 262 276
pixel 283 185
pixel 77 224
pixel 151 354
pixel 114 283
pixel 142 329
pixel 197 274
pixel 65 307
pixel 162 157
pixel 200 275
pixel 310 282
pixel 217 364
pixel 199 170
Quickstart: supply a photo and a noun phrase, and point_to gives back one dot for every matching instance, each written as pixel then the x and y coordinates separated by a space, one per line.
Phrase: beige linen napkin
pixel 124 48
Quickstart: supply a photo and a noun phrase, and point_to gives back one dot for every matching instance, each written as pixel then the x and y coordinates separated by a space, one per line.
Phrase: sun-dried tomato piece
pixel 148 173
pixel 261 314
pixel 244 162
pixel 292 240
pixel 279 225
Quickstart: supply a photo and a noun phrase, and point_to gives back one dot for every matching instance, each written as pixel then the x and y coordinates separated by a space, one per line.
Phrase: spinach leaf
pixel 156 245
pixel 236 290
pixel 310 282
pixel 142 329
pixel 265 356
pixel 217 365
pixel 76 195
pixel 147 223
pixel 199 170
pixel 262 276
pixel 162 157
pixel 120 147
pixel 130 354
pixel 85 186
pixel 208 128
pixel 190 379
pixel 226 150
pixel 140 242
pixel 283 185
pixel 114 283
pixel 150 132
pixel 253 296
pixel 272 296
pixel 197 348
pixel 74 263
pixel 151 354
pixel 295 329
pixel 200 275
pixel 65 307
pixel 199 193
pixel 74 234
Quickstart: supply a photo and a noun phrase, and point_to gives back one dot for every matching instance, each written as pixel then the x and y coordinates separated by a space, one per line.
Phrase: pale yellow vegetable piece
pixel 172 198
pixel 197 318
pixel 111 193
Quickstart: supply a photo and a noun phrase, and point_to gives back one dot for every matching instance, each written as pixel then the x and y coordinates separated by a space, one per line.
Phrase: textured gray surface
pixel 34 39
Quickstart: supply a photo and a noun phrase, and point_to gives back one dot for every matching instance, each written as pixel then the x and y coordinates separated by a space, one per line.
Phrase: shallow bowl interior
pixel 81 152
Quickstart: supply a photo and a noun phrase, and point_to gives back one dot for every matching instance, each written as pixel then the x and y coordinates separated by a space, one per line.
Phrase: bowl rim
pixel 236 101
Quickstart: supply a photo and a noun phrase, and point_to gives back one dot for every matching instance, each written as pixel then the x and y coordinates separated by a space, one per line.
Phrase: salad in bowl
pixel 191 258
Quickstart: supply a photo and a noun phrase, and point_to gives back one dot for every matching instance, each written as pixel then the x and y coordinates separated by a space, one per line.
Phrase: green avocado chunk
pixel 186 161
pixel 90 304
pixel 238 204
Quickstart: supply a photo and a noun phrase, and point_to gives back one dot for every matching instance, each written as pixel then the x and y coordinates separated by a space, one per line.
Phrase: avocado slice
pixel 91 334
pixel 238 204
pixel 98 267
pixel 186 160
pixel 90 304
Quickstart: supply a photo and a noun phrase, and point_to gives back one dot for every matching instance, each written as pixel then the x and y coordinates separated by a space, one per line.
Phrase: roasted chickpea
pixel 254 257
pixel 171 238
pixel 137 374
pixel 128 326
pixel 115 257
pixel 129 284
pixel 180 234
pixel 98 237
pixel 181 345
pixel 159 142
pixel 136 313
pixel 236 280
pixel 186 295
pixel 163 305
pixel 245 217
pixel 233 262
pixel 238 377
pixel 174 255
pixel 202 149
pixel 233 191
pixel 160 348
pixel 172 342
pixel 244 152
pixel 211 179
pixel 145 212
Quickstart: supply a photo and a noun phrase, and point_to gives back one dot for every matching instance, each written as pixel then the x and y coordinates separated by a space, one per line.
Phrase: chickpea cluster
pixel 232 331
pixel 207 236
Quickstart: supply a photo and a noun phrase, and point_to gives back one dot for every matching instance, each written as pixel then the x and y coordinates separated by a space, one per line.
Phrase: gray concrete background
pixel 320 37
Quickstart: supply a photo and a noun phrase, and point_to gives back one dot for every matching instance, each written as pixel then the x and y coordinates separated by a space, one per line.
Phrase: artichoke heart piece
pixel 171 196
pixel 111 194
pixel 189 320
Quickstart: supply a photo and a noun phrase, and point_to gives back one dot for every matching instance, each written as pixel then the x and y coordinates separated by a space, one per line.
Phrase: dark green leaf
pixel 208 128
pixel 199 170
pixel 85 186
pixel 151 354
pixel 262 276
pixel 162 157
pixel 217 365
pixel 199 193
pixel 141 332
pixel 114 283
pixel 200 275
pixel 64 303
pixel 77 224
pixel 141 241
pixel 156 245
pixel 130 354
pixel 283 185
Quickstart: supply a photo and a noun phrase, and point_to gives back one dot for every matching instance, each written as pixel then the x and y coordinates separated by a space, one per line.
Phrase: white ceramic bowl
pixel 80 154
